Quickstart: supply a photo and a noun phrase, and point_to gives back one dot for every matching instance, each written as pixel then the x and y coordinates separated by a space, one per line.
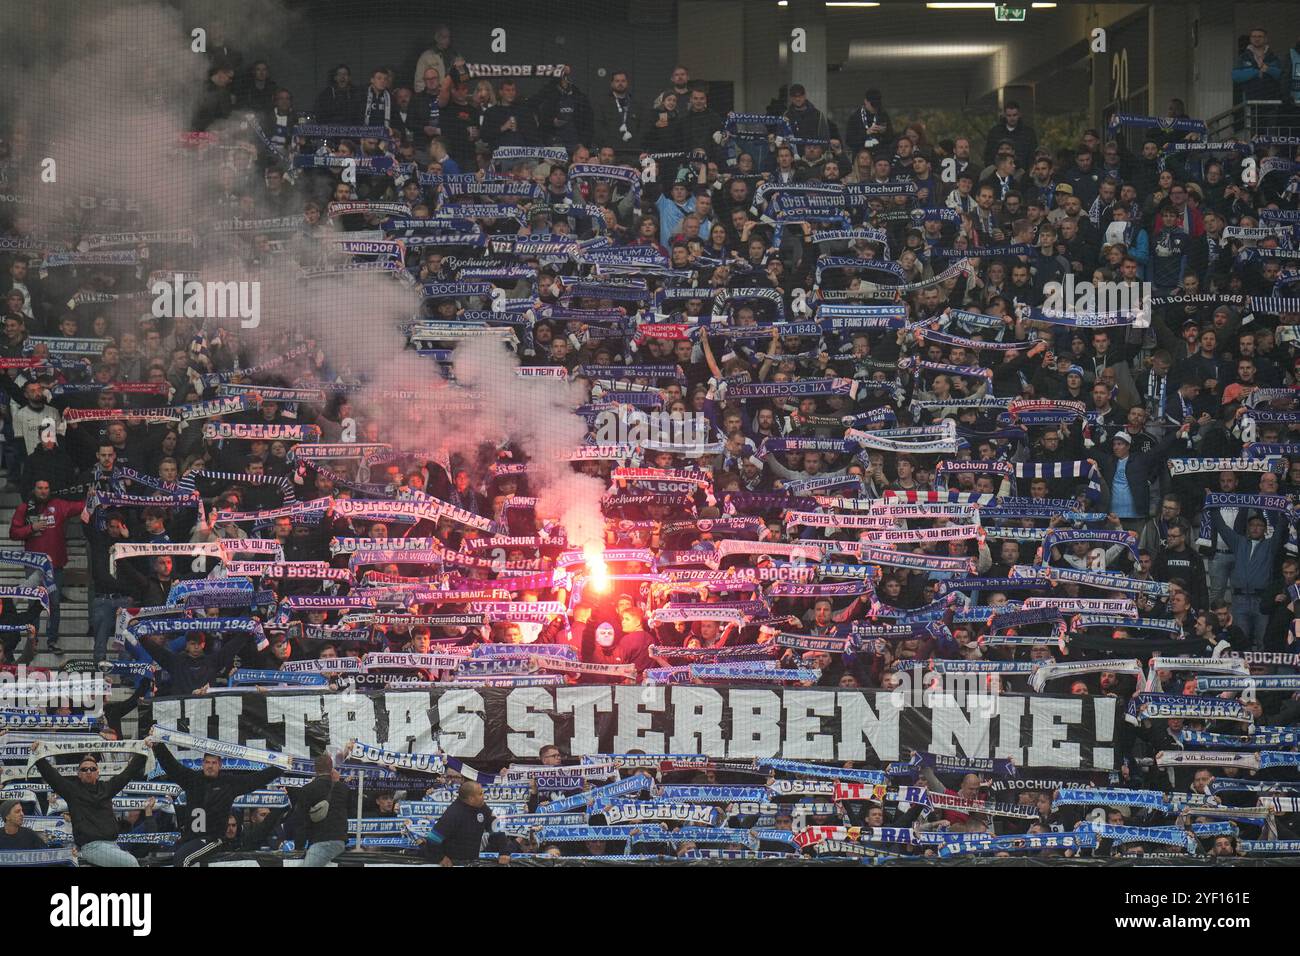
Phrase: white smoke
pixel 119 84
pixel 536 413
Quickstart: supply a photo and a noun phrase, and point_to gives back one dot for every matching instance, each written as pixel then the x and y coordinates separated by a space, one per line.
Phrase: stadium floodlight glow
pixel 982 6
pixel 783 3
pixel 862 50
pixel 844 4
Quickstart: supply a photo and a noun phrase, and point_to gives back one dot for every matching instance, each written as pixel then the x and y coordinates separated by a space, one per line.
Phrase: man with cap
pixel 806 120
pixel 1058 212
pixel 209 795
pixel 564 114
pixel 90 804
pixel 675 206
pixel 1075 389
pixel 1129 475
pixel 870 125
pixel 962 197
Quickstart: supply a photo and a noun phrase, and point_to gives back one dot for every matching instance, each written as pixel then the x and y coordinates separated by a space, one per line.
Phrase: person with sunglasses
pixel 90 804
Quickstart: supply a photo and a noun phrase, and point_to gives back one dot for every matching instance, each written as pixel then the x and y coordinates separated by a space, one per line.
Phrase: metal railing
pixel 1254 118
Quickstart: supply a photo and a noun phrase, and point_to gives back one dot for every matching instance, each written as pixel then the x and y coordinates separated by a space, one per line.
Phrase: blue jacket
pixel 1251 573
pixel 1245 76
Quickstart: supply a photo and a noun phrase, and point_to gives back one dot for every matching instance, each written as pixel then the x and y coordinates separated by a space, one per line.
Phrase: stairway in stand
pixel 74 621
pixel 75 608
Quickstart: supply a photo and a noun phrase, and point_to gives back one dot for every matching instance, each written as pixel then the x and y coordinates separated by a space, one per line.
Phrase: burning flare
pixel 597 570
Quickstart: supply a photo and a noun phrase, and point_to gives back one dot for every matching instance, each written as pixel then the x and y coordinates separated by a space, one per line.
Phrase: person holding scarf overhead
pixel 209 795
pixel 90 805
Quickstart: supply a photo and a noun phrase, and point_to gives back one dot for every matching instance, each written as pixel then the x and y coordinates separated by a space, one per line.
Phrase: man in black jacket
pixel 870 125
pixel 617 121
pixel 1011 130
pixel 111 592
pixel 321 811
pixel 464 829
pixel 806 120
pixel 209 794
pixel 90 804
pixel 1178 560
pixel 701 125
pixel 563 112
pixel 509 122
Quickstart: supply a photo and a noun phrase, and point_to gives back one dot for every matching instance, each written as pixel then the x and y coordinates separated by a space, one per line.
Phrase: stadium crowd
pixel 852 421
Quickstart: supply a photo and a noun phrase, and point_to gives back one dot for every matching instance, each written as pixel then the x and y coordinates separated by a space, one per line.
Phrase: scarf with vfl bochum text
pixel 219 747
pixel 1167 124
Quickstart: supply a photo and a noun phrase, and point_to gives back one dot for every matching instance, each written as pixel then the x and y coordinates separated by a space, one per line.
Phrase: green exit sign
pixel 1013 14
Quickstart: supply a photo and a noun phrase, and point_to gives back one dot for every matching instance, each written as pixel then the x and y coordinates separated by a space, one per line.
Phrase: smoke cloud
pixel 118 87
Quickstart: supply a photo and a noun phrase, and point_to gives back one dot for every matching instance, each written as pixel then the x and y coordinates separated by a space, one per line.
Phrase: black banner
pixel 499 725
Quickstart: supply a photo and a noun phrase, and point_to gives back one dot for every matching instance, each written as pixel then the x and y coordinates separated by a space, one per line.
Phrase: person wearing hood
pixel 340 100
pixel 870 125
pixel 629 647
pixel 563 111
